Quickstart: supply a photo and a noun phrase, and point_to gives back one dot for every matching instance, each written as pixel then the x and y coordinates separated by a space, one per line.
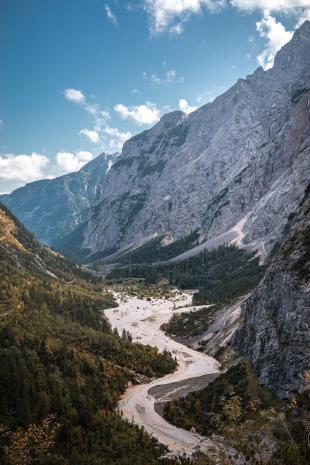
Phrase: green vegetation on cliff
pixel 268 431
pixel 153 251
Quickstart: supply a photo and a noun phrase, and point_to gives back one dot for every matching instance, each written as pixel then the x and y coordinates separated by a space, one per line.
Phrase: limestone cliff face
pixel 243 158
pixel 275 334
pixel 51 208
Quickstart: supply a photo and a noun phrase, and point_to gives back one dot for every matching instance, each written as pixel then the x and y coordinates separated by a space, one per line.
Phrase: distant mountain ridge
pixel 51 209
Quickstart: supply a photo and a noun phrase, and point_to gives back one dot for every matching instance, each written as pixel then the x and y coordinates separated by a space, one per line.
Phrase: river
pixel 141 403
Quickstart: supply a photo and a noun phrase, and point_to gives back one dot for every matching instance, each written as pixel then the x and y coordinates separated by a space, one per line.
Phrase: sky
pixel 80 77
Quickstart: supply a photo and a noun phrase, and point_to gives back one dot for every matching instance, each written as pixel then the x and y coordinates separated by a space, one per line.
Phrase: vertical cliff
pixel 275 334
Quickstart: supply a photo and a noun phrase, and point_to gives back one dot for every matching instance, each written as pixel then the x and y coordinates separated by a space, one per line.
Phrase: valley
pixel 155 286
pixel 143 319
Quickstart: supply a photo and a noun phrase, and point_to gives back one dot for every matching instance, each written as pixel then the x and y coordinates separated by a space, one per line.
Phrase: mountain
pixel 234 169
pixel 275 332
pixel 52 208
pixel 62 367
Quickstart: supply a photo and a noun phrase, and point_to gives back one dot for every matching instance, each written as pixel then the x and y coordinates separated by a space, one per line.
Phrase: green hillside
pixel 62 368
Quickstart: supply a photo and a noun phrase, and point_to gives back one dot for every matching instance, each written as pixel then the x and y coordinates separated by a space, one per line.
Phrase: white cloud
pixel 101 117
pixel 91 134
pixel 1 123
pixel 117 138
pixel 147 113
pixel 271 29
pixel 171 14
pixel 23 168
pixel 110 14
pixel 17 170
pixel 74 95
pixel 184 106
pixel 276 36
pixel 69 162
pixel 270 5
pixel 92 109
pixel 169 77
pixel 101 134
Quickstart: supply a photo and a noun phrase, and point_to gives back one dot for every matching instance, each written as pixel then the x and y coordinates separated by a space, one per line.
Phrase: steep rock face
pixel 275 333
pixel 243 157
pixel 52 208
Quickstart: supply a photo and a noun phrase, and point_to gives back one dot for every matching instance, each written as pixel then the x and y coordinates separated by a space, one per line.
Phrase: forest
pixel 62 368
pixel 220 275
pixel 153 251
pixel 191 323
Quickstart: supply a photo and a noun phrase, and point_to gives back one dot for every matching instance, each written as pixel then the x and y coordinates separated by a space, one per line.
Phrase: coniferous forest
pixel 62 368
pixel 219 275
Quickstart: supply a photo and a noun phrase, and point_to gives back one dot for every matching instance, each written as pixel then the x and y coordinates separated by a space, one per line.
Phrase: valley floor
pixel 141 403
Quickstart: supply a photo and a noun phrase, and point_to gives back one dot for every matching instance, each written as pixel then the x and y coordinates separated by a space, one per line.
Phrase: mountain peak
pixel 174 117
pixel 295 54
pixel 98 162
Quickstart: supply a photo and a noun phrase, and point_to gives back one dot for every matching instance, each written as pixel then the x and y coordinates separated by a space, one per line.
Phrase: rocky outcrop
pixel 275 333
pixel 239 163
pixel 52 208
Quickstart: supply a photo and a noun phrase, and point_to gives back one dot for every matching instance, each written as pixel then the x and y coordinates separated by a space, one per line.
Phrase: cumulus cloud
pixel 91 135
pixel 171 14
pixel 276 36
pixel 110 14
pixel 19 169
pixel 100 115
pixel 69 162
pixel 22 168
pixel 147 113
pixel 74 95
pixel 102 134
pixel 270 5
pixel 184 106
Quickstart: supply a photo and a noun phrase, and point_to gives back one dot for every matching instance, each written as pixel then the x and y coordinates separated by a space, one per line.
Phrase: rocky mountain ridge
pixel 240 160
pixel 233 170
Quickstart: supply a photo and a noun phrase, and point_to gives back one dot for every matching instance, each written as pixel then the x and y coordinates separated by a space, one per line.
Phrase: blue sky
pixel 78 77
